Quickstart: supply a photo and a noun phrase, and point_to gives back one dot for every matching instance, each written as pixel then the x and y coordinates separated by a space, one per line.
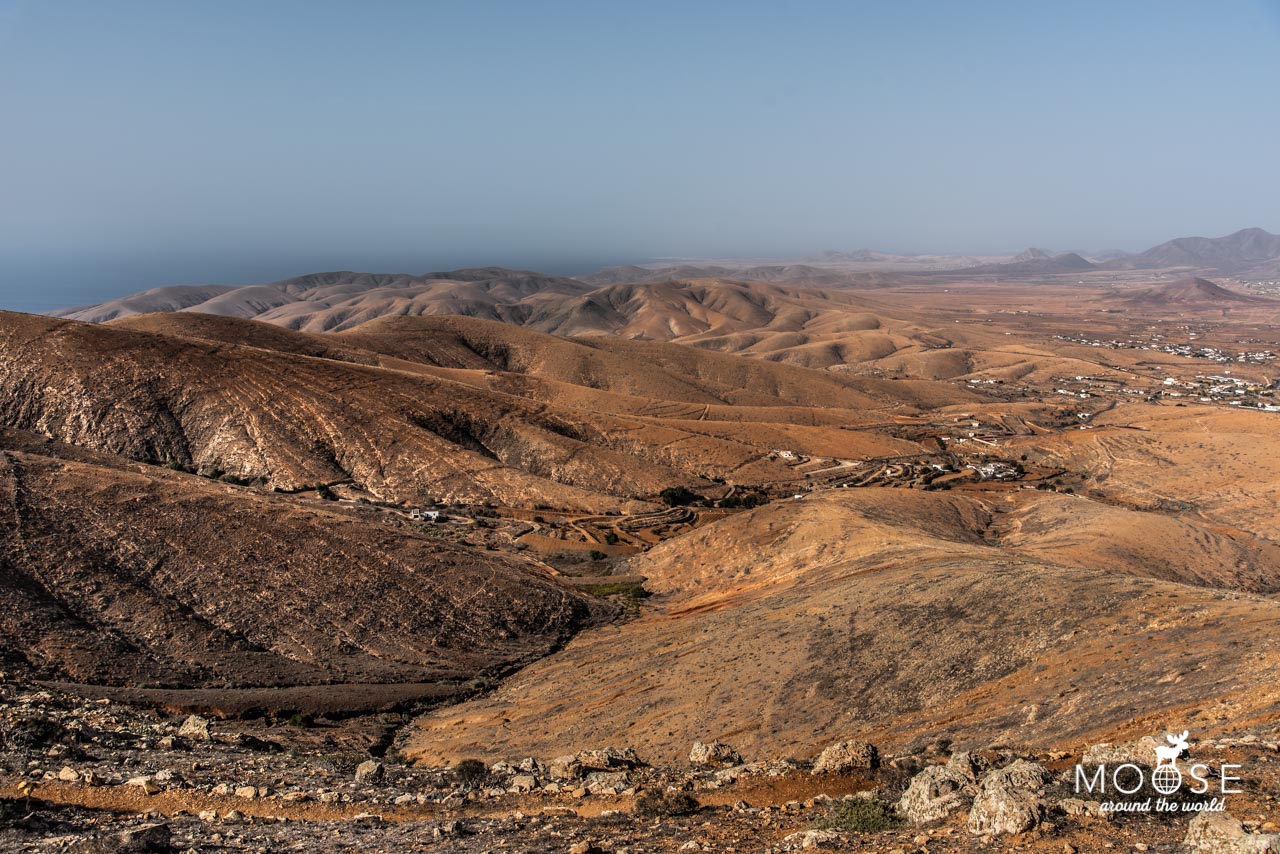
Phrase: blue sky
pixel 149 143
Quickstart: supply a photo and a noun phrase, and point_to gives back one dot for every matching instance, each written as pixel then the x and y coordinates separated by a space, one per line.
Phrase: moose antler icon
pixel 1178 746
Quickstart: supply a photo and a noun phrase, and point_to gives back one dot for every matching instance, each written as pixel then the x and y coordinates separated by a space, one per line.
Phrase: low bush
pixel 861 815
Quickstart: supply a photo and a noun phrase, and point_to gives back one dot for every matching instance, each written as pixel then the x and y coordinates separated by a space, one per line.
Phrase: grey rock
pixel 935 793
pixel 845 756
pixel 370 771
pixel 564 768
pixel 1222 833
pixel 714 753
pixel 608 759
pixel 195 728
pixel 1009 799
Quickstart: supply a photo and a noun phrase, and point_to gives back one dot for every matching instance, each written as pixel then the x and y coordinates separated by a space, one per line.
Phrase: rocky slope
pixel 395 431
pixel 896 615
pixel 120 573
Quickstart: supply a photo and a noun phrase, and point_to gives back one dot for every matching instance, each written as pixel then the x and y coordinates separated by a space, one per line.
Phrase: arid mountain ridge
pixel 323 302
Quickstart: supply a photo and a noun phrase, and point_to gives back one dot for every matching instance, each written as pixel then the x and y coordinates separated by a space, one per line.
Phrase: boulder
pixel 1009 799
pixel 1222 833
pixel 370 771
pixel 845 756
pixel 609 759
pixel 935 793
pixel 194 728
pixel 714 753
pixel 565 768
pixel 524 782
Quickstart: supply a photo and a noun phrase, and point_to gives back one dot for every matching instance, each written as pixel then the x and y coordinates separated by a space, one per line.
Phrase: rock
pixel 970 764
pixel 370 771
pixel 608 759
pixel 69 774
pixel 252 742
pixel 1009 800
pixel 821 839
pixel 146 784
pixel 564 768
pixel 607 782
pixel 147 837
pixel 1222 833
pixel 207 816
pixel 195 728
pixel 813 839
pixel 845 756
pixel 168 776
pixel 714 753
pixel 524 782
pixel 249 793
pixel 587 847
pixel 935 793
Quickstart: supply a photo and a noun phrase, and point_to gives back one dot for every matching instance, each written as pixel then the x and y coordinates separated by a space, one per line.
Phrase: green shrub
pixel 596 554
pixel 325 492
pixel 611 538
pixel 302 721
pixel 665 804
pixel 861 815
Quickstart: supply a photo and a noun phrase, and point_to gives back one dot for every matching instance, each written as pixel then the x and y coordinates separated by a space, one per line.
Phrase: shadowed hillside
pixel 125 574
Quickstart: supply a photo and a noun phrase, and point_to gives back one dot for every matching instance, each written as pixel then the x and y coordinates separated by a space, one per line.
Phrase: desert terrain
pixel 1011 510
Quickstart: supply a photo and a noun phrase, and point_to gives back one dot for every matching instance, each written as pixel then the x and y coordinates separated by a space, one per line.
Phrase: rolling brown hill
pixel 320 302
pixel 889 615
pixel 411 409
pixel 120 573
pixel 1194 291
pixel 296 421
pixel 597 373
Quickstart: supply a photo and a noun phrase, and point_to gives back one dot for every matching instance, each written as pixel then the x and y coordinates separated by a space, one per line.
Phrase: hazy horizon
pixel 236 143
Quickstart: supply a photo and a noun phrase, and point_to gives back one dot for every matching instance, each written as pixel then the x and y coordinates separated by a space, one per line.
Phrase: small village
pixel 1189 350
